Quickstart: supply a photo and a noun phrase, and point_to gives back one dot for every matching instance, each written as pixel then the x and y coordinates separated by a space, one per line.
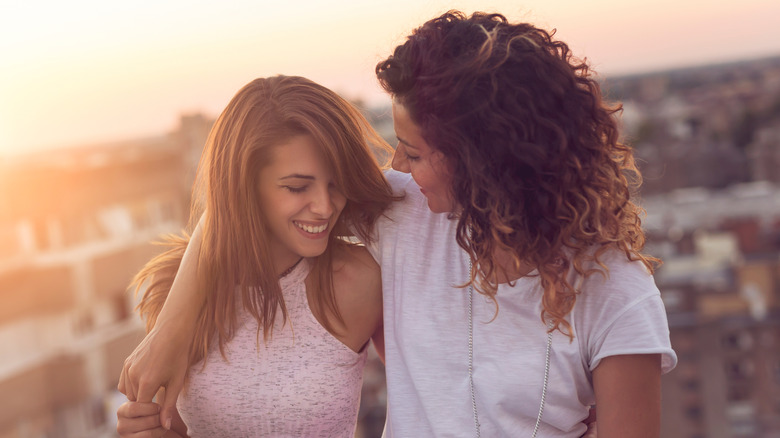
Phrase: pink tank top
pixel 302 383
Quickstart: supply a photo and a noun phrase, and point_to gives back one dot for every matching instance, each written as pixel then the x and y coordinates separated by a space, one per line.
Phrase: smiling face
pixel 428 166
pixel 300 200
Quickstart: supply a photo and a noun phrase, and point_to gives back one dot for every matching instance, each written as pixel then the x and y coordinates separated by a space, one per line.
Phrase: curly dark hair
pixel 538 170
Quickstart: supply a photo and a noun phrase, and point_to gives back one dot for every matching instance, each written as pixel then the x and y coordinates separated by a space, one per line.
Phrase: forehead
pixel 299 152
pixel 407 131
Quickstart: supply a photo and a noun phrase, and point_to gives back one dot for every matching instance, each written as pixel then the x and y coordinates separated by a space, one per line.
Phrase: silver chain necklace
pixel 471 364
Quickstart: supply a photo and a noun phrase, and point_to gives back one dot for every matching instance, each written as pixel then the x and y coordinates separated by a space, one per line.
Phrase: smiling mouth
pixel 311 229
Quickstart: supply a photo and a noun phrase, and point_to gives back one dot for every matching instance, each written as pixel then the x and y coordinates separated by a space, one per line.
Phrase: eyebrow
pixel 297 176
pixel 406 142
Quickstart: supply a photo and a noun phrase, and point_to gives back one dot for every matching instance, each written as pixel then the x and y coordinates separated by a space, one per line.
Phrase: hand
pixel 139 420
pixel 159 361
pixel 591 423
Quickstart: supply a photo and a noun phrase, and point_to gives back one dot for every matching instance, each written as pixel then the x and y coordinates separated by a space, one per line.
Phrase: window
pixel 738 340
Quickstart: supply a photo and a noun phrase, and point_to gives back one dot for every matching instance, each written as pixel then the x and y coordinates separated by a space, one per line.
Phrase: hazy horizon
pixel 86 72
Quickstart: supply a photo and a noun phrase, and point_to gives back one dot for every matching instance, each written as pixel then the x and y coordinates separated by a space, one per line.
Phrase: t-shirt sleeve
pixel 384 230
pixel 374 246
pixel 641 327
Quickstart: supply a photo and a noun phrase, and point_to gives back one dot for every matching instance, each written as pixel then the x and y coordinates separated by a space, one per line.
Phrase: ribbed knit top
pixel 303 382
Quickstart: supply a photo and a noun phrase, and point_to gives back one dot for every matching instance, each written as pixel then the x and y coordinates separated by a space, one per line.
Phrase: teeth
pixel 311 229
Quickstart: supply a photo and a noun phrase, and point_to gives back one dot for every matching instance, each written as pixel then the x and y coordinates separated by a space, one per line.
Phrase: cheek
pixel 339 202
pixel 425 176
pixel 283 207
pixel 440 173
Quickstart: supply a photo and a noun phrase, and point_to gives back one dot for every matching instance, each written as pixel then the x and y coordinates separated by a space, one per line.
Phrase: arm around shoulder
pixel 161 359
pixel 378 339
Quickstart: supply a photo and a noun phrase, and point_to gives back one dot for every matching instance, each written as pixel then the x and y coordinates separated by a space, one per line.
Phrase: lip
pixel 312 236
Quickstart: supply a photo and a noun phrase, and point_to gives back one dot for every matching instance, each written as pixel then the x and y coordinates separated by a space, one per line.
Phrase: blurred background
pixel 105 107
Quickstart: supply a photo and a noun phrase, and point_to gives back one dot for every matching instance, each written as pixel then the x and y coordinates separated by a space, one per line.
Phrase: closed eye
pixel 296 189
pixel 405 150
pixel 411 157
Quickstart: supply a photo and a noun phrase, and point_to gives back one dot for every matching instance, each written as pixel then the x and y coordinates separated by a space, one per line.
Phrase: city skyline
pixel 87 72
pixel 76 225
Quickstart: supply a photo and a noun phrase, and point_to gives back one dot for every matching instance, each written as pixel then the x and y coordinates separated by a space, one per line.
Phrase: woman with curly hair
pixel 515 291
pixel 502 131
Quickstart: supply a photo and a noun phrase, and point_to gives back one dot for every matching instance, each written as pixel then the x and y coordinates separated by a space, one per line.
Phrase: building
pixel 721 286
pixel 75 226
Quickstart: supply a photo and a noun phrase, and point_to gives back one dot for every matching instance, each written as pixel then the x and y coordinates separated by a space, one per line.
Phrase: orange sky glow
pixel 84 72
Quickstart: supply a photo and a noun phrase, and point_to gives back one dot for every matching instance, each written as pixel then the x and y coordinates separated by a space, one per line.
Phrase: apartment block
pixel 75 226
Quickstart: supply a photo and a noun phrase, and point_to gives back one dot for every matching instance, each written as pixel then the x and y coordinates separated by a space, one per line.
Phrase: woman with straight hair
pixel 280 341
pixel 515 291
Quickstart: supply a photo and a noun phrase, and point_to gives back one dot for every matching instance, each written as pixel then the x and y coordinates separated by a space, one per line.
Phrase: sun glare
pixel 87 70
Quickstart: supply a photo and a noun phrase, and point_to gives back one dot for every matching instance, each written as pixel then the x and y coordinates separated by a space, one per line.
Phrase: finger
pixel 147 389
pixel 138 409
pixel 168 403
pixel 133 385
pixel 126 380
pixel 158 432
pixel 591 432
pixel 138 420
pixel 126 426
pixel 130 391
pixel 121 385
pixel 591 415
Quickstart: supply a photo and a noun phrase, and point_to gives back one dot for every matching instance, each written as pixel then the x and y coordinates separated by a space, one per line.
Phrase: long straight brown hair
pixel 235 268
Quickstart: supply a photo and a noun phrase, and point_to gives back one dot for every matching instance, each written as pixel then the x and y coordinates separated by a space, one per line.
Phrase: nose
pixel 322 203
pixel 400 163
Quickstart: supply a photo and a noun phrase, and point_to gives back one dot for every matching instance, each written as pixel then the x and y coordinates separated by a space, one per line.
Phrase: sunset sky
pixel 82 72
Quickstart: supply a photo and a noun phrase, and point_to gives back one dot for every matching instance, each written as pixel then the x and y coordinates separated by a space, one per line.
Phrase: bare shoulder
pixel 353 264
pixel 357 284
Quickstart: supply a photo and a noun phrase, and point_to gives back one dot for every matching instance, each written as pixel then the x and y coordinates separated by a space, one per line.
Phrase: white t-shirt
pixel 426 334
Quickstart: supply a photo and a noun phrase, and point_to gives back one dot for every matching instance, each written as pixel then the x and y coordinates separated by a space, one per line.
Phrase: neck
pixel 286 270
pixel 506 270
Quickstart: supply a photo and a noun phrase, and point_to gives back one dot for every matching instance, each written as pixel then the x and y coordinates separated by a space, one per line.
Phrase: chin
pixel 313 252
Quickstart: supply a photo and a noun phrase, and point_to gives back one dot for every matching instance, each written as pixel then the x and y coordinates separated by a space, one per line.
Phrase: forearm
pixel 378 338
pixel 181 308
pixel 161 359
